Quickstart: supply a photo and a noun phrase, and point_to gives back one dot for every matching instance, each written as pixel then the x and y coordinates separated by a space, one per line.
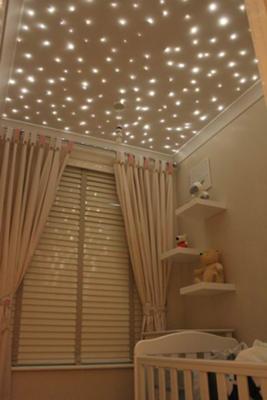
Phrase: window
pixel 78 303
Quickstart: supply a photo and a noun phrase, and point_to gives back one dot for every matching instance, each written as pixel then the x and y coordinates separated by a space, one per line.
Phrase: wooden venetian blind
pixel 78 303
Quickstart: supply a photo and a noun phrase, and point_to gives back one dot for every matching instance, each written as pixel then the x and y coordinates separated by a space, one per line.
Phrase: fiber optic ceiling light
pixel 173 64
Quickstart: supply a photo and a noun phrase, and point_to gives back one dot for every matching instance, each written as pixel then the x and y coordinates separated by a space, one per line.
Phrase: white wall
pixel 98 384
pixel 238 159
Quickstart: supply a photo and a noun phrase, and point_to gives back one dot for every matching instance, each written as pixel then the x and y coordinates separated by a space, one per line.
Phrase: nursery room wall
pixel 96 384
pixel 238 166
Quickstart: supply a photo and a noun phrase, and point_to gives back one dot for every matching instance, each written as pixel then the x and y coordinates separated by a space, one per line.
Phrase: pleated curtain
pixel 257 18
pixel 30 171
pixel 146 197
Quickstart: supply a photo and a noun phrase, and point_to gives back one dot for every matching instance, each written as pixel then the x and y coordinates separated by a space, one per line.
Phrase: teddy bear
pixel 210 270
pixel 181 241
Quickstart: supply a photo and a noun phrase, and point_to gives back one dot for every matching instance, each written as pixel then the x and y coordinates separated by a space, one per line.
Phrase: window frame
pixel 84 166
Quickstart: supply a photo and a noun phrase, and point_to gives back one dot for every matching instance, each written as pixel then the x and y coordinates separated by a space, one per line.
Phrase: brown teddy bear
pixel 210 269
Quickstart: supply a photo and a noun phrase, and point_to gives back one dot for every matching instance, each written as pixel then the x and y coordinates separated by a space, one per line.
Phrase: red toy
pixel 181 241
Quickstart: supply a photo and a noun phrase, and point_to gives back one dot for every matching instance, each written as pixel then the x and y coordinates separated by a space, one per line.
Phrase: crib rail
pixel 146 389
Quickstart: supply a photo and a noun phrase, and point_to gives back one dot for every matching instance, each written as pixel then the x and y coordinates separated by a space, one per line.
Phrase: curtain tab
pixel 42 140
pixel 120 157
pixel 131 159
pixel 26 137
pixel 9 133
pixel 16 135
pixel 170 168
pixel 70 147
pixel 57 144
pixel 140 161
pixel 163 165
pixel 33 138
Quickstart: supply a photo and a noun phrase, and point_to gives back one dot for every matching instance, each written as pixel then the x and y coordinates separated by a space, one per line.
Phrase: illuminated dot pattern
pixel 174 65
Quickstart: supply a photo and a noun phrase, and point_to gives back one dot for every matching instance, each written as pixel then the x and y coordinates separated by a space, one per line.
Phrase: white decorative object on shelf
pixel 200 209
pixel 196 190
pixel 206 288
pixel 201 173
pixel 182 254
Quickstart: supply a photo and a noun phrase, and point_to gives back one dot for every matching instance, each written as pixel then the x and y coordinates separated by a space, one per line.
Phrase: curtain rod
pixel 127 153
pixel 50 132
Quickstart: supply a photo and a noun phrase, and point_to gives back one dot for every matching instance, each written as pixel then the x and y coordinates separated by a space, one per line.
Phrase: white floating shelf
pixel 200 208
pixel 182 254
pixel 207 289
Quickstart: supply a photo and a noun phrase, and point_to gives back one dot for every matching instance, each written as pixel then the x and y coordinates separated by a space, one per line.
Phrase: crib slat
pixel 264 388
pixel 188 385
pixel 150 383
pixel 221 386
pixel 242 385
pixel 141 386
pixel 204 386
pixel 162 384
pixel 174 385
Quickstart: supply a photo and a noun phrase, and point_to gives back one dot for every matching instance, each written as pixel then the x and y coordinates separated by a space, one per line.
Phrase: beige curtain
pixel 29 174
pixel 257 17
pixel 146 197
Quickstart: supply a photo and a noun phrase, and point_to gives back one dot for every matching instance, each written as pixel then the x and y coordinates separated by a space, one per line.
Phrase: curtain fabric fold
pixel 146 198
pixel 257 18
pixel 29 174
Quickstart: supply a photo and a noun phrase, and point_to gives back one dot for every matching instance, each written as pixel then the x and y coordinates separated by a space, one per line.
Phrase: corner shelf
pixel 200 208
pixel 181 254
pixel 207 288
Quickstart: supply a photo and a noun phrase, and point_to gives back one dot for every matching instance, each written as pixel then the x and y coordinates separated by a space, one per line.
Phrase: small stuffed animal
pixel 196 190
pixel 210 269
pixel 181 241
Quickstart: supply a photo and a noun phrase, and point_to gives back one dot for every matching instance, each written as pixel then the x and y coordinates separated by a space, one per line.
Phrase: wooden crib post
pixel 264 388
pixel 188 385
pixel 204 386
pixel 150 383
pixel 162 384
pixel 221 385
pixel 139 380
pixel 242 385
pixel 174 385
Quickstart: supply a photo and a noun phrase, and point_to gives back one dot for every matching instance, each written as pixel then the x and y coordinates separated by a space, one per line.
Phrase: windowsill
pixel 70 367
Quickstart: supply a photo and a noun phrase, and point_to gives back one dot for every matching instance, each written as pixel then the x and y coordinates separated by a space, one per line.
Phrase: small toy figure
pixel 196 190
pixel 181 241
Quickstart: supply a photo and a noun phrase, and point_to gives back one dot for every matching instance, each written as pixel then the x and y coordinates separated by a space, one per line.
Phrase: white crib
pixel 179 357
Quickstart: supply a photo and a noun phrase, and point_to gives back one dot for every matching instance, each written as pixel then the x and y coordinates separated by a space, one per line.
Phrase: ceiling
pixel 173 65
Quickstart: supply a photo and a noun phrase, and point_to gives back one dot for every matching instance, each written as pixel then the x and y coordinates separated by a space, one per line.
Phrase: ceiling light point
pixel 223 20
pixel 194 30
pixel 122 21
pixel 150 20
pixel 213 7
